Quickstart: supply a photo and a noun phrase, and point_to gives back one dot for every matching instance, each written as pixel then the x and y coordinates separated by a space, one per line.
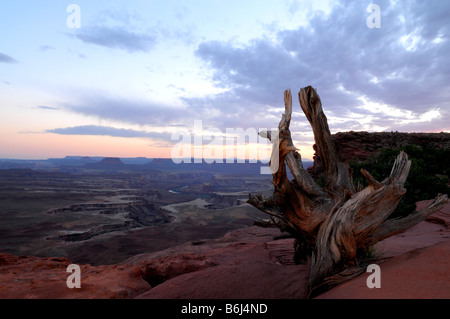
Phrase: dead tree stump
pixel 334 226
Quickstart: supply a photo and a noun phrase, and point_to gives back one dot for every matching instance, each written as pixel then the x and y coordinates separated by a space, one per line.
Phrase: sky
pixel 135 78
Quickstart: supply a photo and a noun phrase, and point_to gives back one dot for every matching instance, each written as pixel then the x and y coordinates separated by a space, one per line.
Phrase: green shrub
pixel 428 176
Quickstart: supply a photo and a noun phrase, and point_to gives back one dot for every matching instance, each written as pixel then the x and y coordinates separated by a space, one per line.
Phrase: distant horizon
pixel 136 157
pixel 304 158
pixel 302 153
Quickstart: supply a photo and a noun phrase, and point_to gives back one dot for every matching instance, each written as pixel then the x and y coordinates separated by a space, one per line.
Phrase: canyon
pixel 143 228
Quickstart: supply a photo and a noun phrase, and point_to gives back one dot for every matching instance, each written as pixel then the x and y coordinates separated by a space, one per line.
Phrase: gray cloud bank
pixel 117 38
pixel 125 109
pixel 404 65
pixel 108 131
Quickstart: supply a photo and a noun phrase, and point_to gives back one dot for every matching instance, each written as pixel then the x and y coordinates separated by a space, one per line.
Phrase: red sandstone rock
pixel 262 270
pixel 246 263
pixel 417 274
pixel 249 271
pixel 361 145
pixel 156 271
pixel 45 278
pixel 430 232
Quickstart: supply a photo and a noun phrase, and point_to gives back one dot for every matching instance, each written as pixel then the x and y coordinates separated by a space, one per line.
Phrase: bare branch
pixel 372 181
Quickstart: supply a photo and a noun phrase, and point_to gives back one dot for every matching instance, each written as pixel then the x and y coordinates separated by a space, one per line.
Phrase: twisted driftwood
pixel 334 225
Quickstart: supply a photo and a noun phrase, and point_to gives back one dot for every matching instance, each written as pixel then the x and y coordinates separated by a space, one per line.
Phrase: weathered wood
pixel 293 158
pixel 396 226
pixel 333 226
pixel 338 179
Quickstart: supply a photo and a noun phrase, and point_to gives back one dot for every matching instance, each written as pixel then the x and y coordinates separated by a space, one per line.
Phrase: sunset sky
pixel 138 72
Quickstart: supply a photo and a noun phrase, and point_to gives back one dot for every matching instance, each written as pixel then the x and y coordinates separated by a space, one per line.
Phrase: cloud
pixel 44 107
pixel 46 47
pixel 105 105
pixel 117 37
pixel 215 111
pixel 353 67
pixel 4 58
pixel 124 16
pixel 403 65
pixel 126 29
pixel 109 131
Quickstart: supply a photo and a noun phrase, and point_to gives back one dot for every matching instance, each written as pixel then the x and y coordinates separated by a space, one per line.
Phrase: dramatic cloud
pixel 117 38
pixel 7 59
pixel 392 78
pixel 402 66
pixel 109 131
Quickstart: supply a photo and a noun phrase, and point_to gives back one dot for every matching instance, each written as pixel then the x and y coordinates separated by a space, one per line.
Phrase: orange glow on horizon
pixel 47 145
pixel 43 146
